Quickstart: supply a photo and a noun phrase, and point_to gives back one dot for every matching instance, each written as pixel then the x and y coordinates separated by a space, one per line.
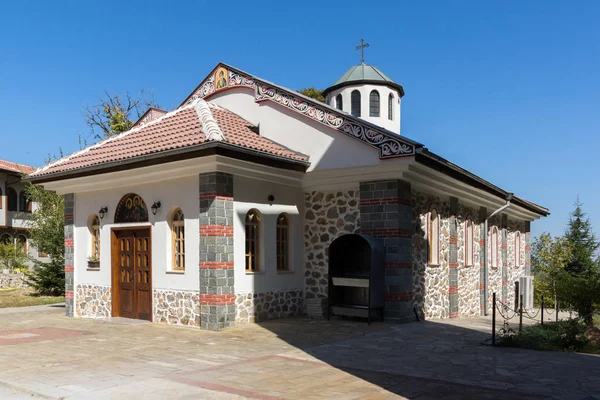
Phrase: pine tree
pixel 580 285
pixel 583 242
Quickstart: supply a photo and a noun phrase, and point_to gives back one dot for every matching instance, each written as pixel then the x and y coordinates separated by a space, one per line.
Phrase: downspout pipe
pixel 486 256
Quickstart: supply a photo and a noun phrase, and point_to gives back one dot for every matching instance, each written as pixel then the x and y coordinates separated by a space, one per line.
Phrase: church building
pixel 222 211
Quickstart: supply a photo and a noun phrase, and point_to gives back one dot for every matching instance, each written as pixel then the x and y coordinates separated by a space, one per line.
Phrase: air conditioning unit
pixel 526 290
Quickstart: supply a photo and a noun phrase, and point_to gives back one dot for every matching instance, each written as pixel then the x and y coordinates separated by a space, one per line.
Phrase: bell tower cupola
pixel 364 91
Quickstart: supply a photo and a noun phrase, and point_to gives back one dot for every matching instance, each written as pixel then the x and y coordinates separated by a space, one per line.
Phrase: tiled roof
pixel 178 129
pixel 14 167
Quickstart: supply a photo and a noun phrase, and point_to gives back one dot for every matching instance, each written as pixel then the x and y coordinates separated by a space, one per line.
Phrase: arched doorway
pixel 131 260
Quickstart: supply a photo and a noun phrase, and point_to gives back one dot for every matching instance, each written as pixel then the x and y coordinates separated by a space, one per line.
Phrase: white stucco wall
pixel 181 193
pixel 326 147
pixel 252 194
pixel 365 92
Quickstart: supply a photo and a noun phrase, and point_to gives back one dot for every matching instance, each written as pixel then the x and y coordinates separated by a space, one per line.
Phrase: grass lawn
pixel 13 297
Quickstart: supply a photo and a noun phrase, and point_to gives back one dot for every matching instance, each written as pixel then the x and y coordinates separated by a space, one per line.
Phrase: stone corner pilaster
pixel 217 295
pixel 69 211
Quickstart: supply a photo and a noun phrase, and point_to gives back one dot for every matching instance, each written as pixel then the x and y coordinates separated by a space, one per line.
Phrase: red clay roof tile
pixel 14 167
pixel 178 129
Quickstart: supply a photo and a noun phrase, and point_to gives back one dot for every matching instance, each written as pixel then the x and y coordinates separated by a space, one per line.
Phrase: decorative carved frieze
pixel 389 145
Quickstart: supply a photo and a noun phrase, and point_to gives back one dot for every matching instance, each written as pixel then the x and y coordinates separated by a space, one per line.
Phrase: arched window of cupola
pixel 355 100
pixel 374 104
pixel 391 107
pixel 339 103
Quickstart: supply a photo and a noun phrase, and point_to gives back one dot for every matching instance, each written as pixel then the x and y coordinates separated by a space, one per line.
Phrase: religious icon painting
pixel 221 78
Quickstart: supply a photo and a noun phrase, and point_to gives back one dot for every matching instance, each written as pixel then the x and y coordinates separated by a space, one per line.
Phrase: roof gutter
pixel 156 158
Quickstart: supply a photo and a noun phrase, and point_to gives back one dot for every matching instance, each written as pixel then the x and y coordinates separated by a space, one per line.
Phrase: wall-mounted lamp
pixel 271 199
pixel 155 207
pixel 102 211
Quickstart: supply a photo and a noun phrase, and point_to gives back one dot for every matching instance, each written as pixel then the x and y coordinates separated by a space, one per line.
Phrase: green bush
pixel 554 336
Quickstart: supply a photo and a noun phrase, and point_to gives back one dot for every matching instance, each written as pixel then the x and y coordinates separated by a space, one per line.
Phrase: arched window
pixel 339 103
pixel 517 249
pixel 178 240
pixel 12 199
pixel 95 234
pixel 252 241
pixel 6 238
pixel 374 104
pixel 494 247
pixel 131 208
pixel 434 238
pixel 391 107
pixel 468 243
pixel 22 244
pixel 355 103
pixel 283 243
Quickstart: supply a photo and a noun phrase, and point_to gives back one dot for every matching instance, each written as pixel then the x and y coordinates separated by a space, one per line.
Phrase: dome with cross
pixel 366 92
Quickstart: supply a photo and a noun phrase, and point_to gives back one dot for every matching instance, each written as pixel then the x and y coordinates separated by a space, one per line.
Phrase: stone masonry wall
pixel 93 301
pixel 258 307
pixel 434 293
pixel 430 282
pixel 328 215
pixel 15 280
pixel 174 307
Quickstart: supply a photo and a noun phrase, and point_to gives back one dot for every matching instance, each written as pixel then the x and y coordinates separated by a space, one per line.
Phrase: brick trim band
pixel 453 239
pixel 399 296
pixel 69 243
pixel 69 268
pixel 217 299
pixel 388 232
pixel 215 195
pixel 384 201
pixel 216 230
pixel 398 264
pixel 453 265
pixel 216 265
pixel 454 315
pixel 453 290
pixel 69 294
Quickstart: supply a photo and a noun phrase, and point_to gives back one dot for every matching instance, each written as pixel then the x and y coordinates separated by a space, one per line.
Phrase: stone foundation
pixel 93 301
pixel 15 280
pixel 257 307
pixel 176 307
pixel 327 216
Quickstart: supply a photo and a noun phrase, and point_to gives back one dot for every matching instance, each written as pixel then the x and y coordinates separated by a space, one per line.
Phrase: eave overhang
pixel 445 167
pixel 202 150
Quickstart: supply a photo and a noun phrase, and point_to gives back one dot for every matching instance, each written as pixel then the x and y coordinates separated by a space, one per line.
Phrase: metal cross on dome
pixel 362 50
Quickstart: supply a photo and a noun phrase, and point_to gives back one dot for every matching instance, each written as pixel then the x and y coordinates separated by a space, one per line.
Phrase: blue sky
pixel 508 90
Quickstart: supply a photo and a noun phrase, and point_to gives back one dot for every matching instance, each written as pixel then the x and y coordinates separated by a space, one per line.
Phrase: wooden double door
pixel 132 273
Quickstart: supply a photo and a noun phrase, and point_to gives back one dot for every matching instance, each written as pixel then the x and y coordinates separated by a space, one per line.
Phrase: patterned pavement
pixel 47 355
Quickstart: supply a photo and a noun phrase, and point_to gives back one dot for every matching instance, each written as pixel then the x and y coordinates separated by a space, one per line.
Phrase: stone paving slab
pixel 285 359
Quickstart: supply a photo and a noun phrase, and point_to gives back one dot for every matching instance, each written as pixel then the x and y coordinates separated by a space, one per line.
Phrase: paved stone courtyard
pixel 46 355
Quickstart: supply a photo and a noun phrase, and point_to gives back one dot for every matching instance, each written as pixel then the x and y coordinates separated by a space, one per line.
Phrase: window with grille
pixel 178 240
pixel 283 245
pixel 95 231
pixel 252 241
